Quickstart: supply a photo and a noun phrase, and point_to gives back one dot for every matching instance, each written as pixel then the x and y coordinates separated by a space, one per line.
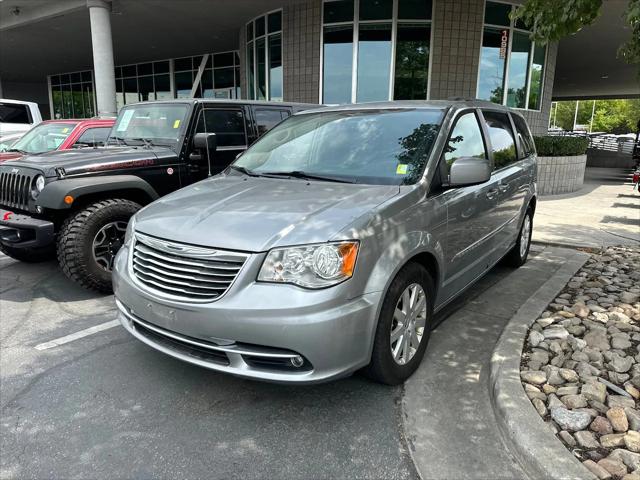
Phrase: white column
pixel 104 70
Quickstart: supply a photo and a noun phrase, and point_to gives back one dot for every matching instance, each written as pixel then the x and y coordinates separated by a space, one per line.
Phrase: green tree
pixel 551 20
pixel 610 116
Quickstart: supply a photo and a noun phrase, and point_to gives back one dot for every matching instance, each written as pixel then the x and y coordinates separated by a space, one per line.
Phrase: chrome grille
pixel 184 272
pixel 15 190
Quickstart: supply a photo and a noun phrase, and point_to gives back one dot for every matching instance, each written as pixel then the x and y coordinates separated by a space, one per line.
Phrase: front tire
pixel 30 255
pixel 517 256
pixel 90 239
pixel 404 326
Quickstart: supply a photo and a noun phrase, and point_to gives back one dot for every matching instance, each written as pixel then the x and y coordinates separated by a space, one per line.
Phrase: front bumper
pixel 256 329
pixel 23 231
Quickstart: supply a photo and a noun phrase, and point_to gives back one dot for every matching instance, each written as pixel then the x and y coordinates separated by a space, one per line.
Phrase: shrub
pixel 560 146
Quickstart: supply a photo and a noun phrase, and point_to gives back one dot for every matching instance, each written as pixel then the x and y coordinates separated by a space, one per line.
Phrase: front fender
pixel 53 194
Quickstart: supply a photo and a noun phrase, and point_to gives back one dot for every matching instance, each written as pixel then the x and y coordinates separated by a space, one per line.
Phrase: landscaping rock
pixel 535 377
pixel 586 439
pixel 632 441
pixel 574 401
pixel 612 440
pixel 594 391
pixel 618 419
pixel 620 401
pixel 597 470
pixel 601 426
pixel 571 421
pixel 630 459
pixel 615 467
pixel 567 438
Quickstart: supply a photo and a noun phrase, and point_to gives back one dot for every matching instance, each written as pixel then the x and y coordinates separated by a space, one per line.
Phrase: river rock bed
pixel 581 364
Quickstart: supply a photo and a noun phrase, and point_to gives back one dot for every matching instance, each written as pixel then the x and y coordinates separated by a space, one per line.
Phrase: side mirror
pixel 205 142
pixel 469 171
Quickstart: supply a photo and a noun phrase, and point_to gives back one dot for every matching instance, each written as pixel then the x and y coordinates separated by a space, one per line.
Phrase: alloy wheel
pixel 525 235
pixel 107 243
pixel 408 324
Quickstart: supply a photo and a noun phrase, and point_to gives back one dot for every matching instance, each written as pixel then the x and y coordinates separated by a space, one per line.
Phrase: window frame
pixel 522 154
pixel 266 36
pixel 505 81
pixel 355 25
pixel 232 108
pixel 516 141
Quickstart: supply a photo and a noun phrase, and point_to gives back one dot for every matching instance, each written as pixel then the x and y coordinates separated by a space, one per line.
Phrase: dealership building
pixel 80 58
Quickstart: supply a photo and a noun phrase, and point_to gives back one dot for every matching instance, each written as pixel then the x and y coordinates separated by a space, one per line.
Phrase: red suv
pixel 59 135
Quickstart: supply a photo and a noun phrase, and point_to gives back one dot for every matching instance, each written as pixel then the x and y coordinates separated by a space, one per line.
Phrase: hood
pixel 256 214
pixel 83 160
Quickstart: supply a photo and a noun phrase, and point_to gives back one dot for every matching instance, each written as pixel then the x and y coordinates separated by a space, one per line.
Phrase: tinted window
pixel 93 137
pixel 526 142
pixel 502 141
pixel 228 125
pixel 14 113
pixel 267 119
pixel 371 146
pixel 465 140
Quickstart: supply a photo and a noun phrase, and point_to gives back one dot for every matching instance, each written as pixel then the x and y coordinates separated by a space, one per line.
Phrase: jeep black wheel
pixel 404 326
pixel 30 255
pixel 90 239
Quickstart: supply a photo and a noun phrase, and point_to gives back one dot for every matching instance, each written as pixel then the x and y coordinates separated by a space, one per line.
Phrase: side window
pixel 465 141
pixel 267 119
pixel 93 137
pixel 502 141
pixel 526 142
pixel 14 113
pixel 227 124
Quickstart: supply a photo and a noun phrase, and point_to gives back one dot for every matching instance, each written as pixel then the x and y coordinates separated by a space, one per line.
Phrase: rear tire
pixel 517 256
pixel 388 364
pixel 98 226
pixel 30 255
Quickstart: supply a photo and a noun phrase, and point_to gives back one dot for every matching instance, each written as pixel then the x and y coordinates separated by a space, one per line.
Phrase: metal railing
pixel 603 141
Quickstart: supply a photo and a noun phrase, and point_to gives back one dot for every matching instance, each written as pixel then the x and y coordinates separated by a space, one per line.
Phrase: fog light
pixel 297 361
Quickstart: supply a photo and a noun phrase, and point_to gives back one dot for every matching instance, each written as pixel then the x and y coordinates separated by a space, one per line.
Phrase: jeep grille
pixel 15 190
pixel 184 272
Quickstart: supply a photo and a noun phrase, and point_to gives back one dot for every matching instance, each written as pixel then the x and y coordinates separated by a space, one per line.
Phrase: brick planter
pixel 561 174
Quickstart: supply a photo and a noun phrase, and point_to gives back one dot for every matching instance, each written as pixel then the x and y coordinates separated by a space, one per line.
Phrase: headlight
pixel 311 266
pixel 128 234
pixel 37 186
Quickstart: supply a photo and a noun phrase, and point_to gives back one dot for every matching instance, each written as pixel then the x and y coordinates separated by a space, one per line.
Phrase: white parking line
pixel 75 336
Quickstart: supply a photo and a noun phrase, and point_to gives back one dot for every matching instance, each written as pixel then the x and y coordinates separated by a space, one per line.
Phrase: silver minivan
pixel 330 244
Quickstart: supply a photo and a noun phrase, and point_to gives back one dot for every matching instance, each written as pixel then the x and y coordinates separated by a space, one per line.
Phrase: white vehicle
pixel 17 116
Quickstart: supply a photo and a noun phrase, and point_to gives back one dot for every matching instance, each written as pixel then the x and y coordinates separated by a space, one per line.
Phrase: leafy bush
pixel 560 146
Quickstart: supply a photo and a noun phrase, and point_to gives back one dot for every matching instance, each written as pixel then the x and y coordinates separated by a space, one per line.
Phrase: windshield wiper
pixel 246 171
pixel 119 140
pixel 16 150
pixel 308 176
pixel 147 143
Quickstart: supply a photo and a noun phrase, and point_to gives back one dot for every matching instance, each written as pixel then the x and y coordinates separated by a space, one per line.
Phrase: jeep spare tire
pixel 90 239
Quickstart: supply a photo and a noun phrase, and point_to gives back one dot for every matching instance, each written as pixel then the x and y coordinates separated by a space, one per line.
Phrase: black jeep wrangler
pixel 77 203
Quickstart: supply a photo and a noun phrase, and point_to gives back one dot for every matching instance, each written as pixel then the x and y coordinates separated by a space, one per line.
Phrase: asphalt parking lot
pixel 103 405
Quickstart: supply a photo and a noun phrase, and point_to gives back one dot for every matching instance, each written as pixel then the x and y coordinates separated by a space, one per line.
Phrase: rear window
pixel 503 143
pixel 526 142
pixel 14 113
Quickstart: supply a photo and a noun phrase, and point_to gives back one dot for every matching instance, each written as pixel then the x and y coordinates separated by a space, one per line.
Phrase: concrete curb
pixel 528 437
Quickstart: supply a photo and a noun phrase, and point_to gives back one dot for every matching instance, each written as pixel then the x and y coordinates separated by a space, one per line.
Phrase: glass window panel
pixel 223 60
pixel 275 67
pixel 492 64
pixel 518 66
pixel 86 76
pixel 55 80
pixel 338 64
pixel 93 137
pixel 223 78
pixel 374 62
pixel 78 101
pixel 260 26
pixel 338 11
pixel 275 22
pixel 267 119
pixel 118 72
pixel 209 63
pixel 261 68
pixel 58 102
pixel 502 140
pixel 236 81
pixel 68 102
pixel 130 90
pixel 236 58
pixel 162 85
pixel 161 67
pixel 414 9
pixel 146 88
pixel 520 24
pixel 206 84
pixel 119 94
pixel 524 137
pixel 182 64
pixel 228 125
pixel 129 71
pixel 250 31
pixel 537 76
pixel 412 62
pixel 251 95
pixel 376 9
pixel 145 69
pixel 465 141
pixel 76 77
pixel 65 79
pixel 88 99
pixel 184 82
pixel 497 14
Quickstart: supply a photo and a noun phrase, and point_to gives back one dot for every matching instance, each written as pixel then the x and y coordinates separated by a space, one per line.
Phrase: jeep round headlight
pixel 37 186
pixel 311 266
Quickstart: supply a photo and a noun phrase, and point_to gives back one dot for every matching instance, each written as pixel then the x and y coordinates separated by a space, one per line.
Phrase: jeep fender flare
pixel 53 194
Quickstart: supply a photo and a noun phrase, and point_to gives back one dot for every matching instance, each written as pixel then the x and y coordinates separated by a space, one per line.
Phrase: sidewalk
pixel 606 211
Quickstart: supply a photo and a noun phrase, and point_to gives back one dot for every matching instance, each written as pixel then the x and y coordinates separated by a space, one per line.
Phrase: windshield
pixel 388 147
pixel 150 123
pixel 44 137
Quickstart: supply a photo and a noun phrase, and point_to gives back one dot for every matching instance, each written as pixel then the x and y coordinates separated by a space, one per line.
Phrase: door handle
pixel 491 194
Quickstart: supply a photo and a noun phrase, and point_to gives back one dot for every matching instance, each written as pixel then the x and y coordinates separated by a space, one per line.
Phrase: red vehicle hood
pixel 10 156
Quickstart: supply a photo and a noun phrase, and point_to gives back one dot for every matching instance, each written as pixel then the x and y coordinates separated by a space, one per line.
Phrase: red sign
pixel 504 43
